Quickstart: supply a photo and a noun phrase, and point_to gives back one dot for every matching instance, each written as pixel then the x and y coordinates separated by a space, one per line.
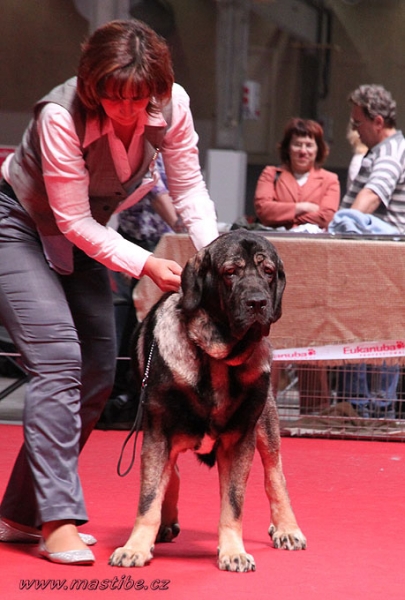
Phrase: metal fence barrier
pixel 351 400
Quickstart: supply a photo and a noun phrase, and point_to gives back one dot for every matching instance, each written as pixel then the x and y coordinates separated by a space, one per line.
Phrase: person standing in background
pixel 359 151
pixel 143 224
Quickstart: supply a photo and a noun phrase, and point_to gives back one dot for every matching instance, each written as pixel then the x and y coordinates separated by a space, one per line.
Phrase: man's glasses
pixel 356 124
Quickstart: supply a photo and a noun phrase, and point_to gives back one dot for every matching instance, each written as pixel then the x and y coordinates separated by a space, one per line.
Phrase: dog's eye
pixel 269 272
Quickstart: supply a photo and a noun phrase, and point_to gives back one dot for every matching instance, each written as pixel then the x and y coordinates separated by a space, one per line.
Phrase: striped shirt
pixel 383 171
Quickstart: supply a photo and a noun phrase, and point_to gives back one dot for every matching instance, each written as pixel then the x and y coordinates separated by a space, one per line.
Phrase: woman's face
pixel 124 103
pixel 125 111
pixel 302 152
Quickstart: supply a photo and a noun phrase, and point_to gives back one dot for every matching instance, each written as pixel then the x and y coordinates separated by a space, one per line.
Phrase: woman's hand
pixel 165 273
pixel 306 207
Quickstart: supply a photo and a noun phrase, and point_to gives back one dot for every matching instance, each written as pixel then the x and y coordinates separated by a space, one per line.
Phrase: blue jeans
pixel 361 383
pixel 63 326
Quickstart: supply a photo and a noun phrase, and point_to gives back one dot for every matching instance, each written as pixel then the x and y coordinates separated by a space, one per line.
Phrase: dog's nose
pixel 256 304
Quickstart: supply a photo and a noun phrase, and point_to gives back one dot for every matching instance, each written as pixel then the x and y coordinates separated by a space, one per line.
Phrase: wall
pixel 370 48
pixel 41 42
pixel 39 45
pixel 193 47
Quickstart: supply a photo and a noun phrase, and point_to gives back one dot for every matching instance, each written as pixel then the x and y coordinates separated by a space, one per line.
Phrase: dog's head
pixel 239 281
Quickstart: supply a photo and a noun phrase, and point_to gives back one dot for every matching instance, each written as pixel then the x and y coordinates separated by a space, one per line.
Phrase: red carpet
pixel 349 498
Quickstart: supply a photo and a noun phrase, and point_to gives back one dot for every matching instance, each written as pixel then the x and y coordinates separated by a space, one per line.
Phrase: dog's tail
pixel 208 459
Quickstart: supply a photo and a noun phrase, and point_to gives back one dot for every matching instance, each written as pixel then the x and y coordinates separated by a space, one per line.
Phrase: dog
pixel 209 391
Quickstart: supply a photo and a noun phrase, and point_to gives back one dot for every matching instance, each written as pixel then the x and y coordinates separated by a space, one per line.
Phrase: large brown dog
pixel 209 391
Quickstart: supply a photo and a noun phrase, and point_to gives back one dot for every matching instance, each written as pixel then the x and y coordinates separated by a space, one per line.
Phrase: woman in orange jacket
pixel 299 191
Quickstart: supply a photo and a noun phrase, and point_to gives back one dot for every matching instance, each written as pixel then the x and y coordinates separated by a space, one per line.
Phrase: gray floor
pixel 11 406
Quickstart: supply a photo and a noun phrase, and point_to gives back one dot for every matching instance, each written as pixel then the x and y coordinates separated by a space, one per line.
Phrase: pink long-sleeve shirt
pixel 66 179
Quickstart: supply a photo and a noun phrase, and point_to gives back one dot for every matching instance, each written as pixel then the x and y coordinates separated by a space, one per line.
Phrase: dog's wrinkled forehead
pixel 241 250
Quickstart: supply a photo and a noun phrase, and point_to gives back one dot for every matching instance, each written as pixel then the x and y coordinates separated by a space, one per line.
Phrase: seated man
pixel 377 193
pixel 379 188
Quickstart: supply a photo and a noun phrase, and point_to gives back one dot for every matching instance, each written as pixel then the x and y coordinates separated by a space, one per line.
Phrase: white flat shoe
pixel 88 539
pixel 69 557
pixel 11 534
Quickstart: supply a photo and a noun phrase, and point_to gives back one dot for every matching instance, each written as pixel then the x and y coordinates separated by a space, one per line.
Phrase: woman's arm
pixel 184 178
pixel 327 199
pixel 270 210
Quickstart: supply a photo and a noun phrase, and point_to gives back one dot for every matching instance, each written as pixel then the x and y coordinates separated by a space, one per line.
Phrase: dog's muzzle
pixel 256 304
pixel 252 310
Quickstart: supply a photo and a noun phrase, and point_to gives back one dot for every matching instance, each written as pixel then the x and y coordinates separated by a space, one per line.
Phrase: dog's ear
pixel 280 286
pixel 192 280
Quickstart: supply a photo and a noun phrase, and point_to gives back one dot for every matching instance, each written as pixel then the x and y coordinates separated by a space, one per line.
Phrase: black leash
pixel 136 427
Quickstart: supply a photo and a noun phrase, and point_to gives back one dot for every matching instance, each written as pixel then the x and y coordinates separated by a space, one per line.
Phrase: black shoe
pixel 119 413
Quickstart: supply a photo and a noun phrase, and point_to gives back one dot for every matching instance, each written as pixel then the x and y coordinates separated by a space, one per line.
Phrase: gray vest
pixel 106 192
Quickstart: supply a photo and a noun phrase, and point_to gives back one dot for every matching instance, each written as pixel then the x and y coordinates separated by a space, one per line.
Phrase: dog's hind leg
pixel 234 463
pixel 156 471
pixel 283 530
pixel 169 526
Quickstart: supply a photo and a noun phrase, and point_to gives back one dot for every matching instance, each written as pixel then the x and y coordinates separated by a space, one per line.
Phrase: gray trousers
pixel 63 326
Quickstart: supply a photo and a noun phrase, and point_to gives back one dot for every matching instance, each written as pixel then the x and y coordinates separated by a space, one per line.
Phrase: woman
pixel 296 194
pixel 88 152
pixel 300 191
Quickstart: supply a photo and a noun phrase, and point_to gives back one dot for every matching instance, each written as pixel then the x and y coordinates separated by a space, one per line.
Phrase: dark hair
pixel 303 128
pixel 127 57
pixel 375 101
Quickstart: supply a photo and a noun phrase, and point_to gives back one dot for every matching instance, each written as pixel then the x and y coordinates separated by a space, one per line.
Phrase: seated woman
pixel 299 191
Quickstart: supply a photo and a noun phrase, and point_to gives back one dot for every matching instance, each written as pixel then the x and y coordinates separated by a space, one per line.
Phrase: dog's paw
pixel 127 557
pixel 238 563
pixel 285 539
pixel 167 533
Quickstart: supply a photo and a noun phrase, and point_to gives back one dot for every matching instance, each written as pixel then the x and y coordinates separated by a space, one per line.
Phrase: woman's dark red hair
pixel 125 57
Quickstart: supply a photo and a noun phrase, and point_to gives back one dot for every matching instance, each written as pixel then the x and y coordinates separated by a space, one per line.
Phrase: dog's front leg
pixel 156 471
pixel 234 463
pixel 283 530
